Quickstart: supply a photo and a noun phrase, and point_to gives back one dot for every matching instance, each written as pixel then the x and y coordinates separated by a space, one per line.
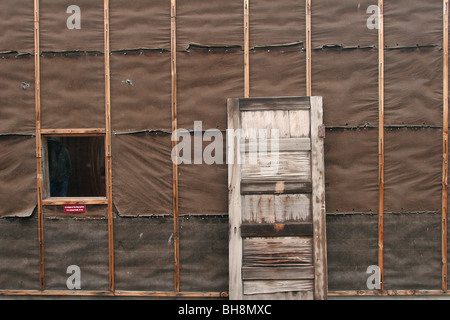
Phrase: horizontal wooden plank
pixel 282 103
pixel 249 187
pixel 284 166
pixel 276 286
pixel 300 296
pixel 277 252
pixel 278 273
pixel 73 132
pixel 261 124
pixel 73 201
pixel 276 208
pixel 277 230
pixel 299 124
pixel 284 145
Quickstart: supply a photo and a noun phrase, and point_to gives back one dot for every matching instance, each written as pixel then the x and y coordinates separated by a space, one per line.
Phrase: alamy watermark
pixel 74 281
pixel 244 146
pixel 74 20
pixel 374 280
pixel 373 22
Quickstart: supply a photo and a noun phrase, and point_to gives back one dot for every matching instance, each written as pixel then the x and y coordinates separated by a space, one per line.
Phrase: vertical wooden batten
pixel 108 146
pixel 40 182
pixel 246 48
pixel 318 201
pixel 235 215
pixel 445 150
pixel 381 142
pixel 308 49
pixel 176 226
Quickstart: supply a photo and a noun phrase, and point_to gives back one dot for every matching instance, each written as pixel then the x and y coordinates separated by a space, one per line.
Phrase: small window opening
pixel 74 167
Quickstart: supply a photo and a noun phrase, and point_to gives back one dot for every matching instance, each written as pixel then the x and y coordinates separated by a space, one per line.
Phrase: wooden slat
pixel 267 120
pixel 39 163
pixel 445 153
pixel 390 293
pixel 65 132
pixel 277 286
pixel 296 207
pixel 284 166
pixel 276 208
pixel 281 296
pixel 318 201
pixel 300 124
pixel 277 230
pixel 279 103
pixel 235 215
pixel 278 273
pixel 246 48
pixel 249 187
pixel 176 226
pixel 122 293
pixel 284 145
pixel 74 201
pixel 278 252
pixel 381 142
pixel 308 49
pixel 258 209
pixel 108 132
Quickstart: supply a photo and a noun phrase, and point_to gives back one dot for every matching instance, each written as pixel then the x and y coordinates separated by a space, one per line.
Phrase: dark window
pixel 74 166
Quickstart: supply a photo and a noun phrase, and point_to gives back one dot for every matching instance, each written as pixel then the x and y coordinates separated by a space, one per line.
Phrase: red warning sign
pixel 75 209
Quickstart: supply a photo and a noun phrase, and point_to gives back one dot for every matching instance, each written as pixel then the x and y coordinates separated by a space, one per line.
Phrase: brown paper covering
pixel 413 87
pixel 342 23
pixel 56 36
pixel 142 174
pixel 413 170
pixel 411 23
pixel 276 22
pixel 212 23
pixel 139 24
pixel 16 25
pixel 351 167
pixel 141 91
pixel 278 72
pixel 18 194
pixel 72 91
pixel 348 82
pixel 205 81
pixel 17 94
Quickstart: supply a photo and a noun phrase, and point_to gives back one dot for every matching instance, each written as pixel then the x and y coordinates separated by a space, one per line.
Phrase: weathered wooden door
pixel 277 198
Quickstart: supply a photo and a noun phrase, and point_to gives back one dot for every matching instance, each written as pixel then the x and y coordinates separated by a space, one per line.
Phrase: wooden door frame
pixel 318 198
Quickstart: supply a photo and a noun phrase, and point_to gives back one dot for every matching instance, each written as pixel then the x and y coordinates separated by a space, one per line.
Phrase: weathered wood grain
pixel 445 152
pixel 304 229
pixel 276 208
pixel 307 295
pixel 295 208
pixel 283 166
pixel 277 286
pixel 278 273
pixel 235 215
pixel 281 145
pixel 280 103
pixel 274 187
pixel 277 220
pixel 268 120
pixel 299 123
pixel 258 209
pixel 277 252
pixel 318 201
